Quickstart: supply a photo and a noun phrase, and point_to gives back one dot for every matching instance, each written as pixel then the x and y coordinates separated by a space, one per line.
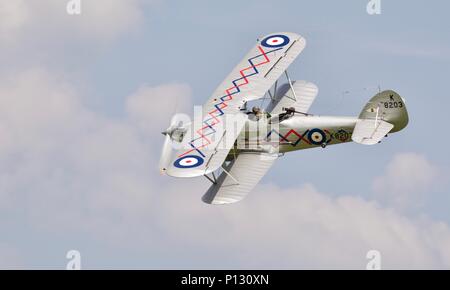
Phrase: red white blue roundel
pixel 316 136
pixel 275 40
pixel 188 161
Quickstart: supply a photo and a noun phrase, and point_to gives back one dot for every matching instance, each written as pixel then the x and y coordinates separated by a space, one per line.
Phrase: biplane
pixel 234 146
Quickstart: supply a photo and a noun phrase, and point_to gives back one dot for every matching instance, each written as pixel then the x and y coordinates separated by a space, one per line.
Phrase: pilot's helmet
pixel 256 110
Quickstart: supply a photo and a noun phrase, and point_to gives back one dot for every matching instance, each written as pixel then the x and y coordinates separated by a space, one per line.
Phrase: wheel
pixel 323 145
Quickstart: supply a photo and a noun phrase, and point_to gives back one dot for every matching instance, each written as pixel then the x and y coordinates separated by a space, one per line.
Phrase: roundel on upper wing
pixel 316 136
pixel 278 40
pixel 188 161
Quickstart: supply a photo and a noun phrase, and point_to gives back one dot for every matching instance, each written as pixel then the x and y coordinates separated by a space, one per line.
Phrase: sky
pixel 83 99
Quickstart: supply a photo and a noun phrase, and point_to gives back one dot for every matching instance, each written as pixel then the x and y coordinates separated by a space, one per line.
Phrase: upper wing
pixel 301 100
pixel 249 80
pixel 256 73
pixel 241 177
pixel 370 131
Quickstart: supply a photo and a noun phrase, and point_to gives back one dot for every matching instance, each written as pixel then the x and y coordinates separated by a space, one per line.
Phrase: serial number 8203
pixel 391 105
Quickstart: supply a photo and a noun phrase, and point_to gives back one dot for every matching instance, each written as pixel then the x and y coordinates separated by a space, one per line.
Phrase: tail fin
pixel 387 106
pixel 384 113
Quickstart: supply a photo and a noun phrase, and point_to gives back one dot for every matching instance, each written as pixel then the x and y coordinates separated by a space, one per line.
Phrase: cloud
pixel 13 16
pixel 406 179
pixel 47 133
pixel 152 107
pixel 105 18
pixel 303 228
pixel 46 19
pixel 68 171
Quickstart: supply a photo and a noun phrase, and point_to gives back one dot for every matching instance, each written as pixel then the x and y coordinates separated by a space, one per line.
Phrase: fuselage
pixel 295 133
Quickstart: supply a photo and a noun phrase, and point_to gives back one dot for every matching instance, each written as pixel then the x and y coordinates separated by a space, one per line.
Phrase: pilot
pixel 258 113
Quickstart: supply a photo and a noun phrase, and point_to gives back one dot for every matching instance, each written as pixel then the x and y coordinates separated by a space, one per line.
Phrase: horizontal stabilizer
pixel 370 131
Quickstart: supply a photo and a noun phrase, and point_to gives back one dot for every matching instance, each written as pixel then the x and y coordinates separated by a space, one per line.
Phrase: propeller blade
pixel 165 154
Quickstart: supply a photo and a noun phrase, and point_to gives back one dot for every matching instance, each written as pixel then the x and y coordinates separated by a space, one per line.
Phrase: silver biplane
pixel 234 147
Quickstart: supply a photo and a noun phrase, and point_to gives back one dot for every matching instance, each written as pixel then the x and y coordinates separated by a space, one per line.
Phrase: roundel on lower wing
pixel 278 40
pixel 188 161
pixel 316 136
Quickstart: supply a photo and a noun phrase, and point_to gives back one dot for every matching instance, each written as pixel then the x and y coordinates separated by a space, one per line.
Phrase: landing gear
pixel 323 145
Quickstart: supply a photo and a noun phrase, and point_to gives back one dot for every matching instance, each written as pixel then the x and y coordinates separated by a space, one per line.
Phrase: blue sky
pixel 84 98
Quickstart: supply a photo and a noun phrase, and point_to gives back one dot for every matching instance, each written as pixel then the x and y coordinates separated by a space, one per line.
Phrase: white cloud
pixel 68 171
pixel 99 19
pixel 152 107
pixel 304 228
pixel 105 18
pixel 51 142
pixel 13 16
pixel 405 180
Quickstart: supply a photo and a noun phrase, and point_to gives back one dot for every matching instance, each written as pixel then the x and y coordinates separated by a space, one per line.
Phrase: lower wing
pixel 239 178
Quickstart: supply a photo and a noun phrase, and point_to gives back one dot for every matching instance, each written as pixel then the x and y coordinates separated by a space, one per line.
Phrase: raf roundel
pixel 278 40
pixel 188 161
pixel 316 136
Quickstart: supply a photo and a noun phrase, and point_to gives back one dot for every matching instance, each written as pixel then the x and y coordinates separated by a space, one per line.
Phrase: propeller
pixel 174 133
